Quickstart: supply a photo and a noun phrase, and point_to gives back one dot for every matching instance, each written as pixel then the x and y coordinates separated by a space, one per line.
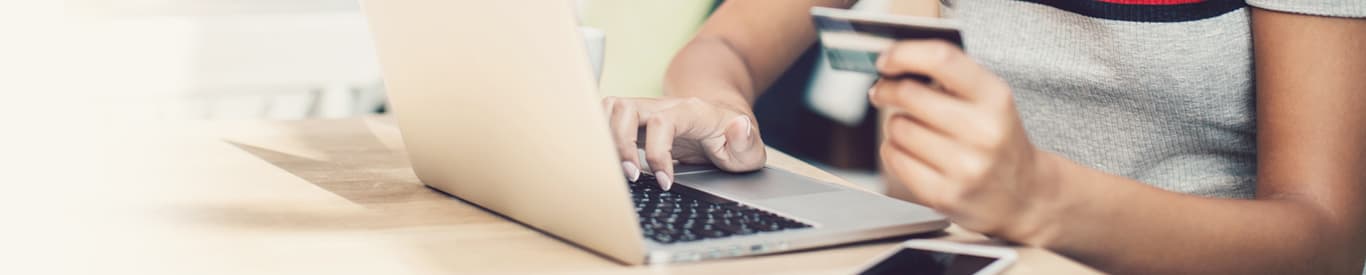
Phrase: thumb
pixel 743 144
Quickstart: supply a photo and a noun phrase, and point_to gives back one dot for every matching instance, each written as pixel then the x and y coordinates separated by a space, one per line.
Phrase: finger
pixel 743 150
pixel 607 103
pixel 624 124
pixel 941 112
pixel 659 139
pixel 943 62
pixel 930 147
pixel 918 178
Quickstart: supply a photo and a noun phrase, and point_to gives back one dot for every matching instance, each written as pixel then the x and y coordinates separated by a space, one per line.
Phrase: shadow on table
pixel 346 158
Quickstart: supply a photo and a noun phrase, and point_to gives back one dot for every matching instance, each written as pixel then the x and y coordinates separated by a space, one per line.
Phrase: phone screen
pixel 924 262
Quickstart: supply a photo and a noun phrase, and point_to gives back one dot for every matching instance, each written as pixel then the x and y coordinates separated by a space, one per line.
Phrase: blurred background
pixel 309 59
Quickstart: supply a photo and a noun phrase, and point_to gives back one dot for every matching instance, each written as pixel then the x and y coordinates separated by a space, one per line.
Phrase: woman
pixel 1133 135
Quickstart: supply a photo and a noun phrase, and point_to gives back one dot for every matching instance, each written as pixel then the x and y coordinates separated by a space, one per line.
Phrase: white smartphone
pixel 937 257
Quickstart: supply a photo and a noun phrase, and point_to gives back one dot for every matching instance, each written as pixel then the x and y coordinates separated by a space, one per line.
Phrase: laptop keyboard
pixel 684 214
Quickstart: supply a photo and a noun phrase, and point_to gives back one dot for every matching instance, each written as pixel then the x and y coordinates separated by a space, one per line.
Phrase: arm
pixel 743 48
pixel 1311 180
pixel 711 85
pixel 960 149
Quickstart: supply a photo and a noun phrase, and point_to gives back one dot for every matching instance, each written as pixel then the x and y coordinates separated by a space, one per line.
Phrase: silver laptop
pixel 497 106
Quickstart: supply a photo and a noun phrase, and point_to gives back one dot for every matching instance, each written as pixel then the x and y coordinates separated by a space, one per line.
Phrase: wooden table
pixel 331 197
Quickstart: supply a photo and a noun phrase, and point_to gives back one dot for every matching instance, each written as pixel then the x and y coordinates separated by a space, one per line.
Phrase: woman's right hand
pixel 690 130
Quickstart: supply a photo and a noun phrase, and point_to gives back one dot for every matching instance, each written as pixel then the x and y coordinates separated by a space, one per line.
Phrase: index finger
pixel 944 63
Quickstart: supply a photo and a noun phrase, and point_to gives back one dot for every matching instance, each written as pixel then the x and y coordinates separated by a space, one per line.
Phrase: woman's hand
pixel 958 146
pixel 690 130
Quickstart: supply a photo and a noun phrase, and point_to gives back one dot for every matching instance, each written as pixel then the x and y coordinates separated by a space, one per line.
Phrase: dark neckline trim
pixel 1156 11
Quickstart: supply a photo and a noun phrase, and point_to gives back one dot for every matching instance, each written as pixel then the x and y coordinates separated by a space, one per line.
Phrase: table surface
pixel 339 197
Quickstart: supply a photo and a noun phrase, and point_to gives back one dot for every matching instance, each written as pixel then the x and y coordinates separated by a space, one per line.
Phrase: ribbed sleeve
pixel 1336 8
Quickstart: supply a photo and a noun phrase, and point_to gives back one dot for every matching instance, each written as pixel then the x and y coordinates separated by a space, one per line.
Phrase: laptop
pixel 497 106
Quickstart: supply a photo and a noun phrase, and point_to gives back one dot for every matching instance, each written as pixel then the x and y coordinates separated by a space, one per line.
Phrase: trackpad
pixel 763 184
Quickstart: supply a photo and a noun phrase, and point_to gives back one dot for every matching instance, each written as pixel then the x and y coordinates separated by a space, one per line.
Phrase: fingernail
pixel 749 126
pixel 746 140
pixel 665 181
pixel 632 172
pixel 872 92
pixel 881 62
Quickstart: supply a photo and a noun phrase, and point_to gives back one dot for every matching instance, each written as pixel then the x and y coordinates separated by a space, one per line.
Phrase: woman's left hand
pixel 958 145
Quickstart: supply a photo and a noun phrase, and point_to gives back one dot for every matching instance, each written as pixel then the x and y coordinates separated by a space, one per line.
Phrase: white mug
pixel 595 41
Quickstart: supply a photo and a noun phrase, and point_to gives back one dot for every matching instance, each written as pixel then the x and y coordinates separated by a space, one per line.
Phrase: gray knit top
pixel 1160 91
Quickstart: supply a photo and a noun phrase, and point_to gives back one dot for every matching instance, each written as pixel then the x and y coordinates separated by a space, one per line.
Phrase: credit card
pixel 854 40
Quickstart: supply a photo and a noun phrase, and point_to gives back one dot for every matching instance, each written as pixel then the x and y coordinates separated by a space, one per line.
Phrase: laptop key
pixel 663 237
pixel 712 233
pixel 769 227
pixel 728 227
pixel 684 214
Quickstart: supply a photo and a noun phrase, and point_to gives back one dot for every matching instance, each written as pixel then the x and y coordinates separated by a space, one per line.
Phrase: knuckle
pixel 693 102
pixel 620 107
pixel 657 121
pixel 896 127
pixel 1002 96
pixel 626 147
pixel 609 102
pixel 661 155
pixel 889 156
pixel 884 153
pixel 992 135
pixel 972 167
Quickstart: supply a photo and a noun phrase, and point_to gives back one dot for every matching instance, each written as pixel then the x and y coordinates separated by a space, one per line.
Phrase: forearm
pixel 742 49
pixel 709 69
pixel 1123 225
pixel 1307 218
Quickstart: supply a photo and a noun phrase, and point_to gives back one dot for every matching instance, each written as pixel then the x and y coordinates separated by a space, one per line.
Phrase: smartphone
pixel 937 257
pixel 854 40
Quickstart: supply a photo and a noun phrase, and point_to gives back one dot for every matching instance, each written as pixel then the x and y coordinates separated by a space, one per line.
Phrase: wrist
pixel 1049 202
pixel 729 99
pixel 738 104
